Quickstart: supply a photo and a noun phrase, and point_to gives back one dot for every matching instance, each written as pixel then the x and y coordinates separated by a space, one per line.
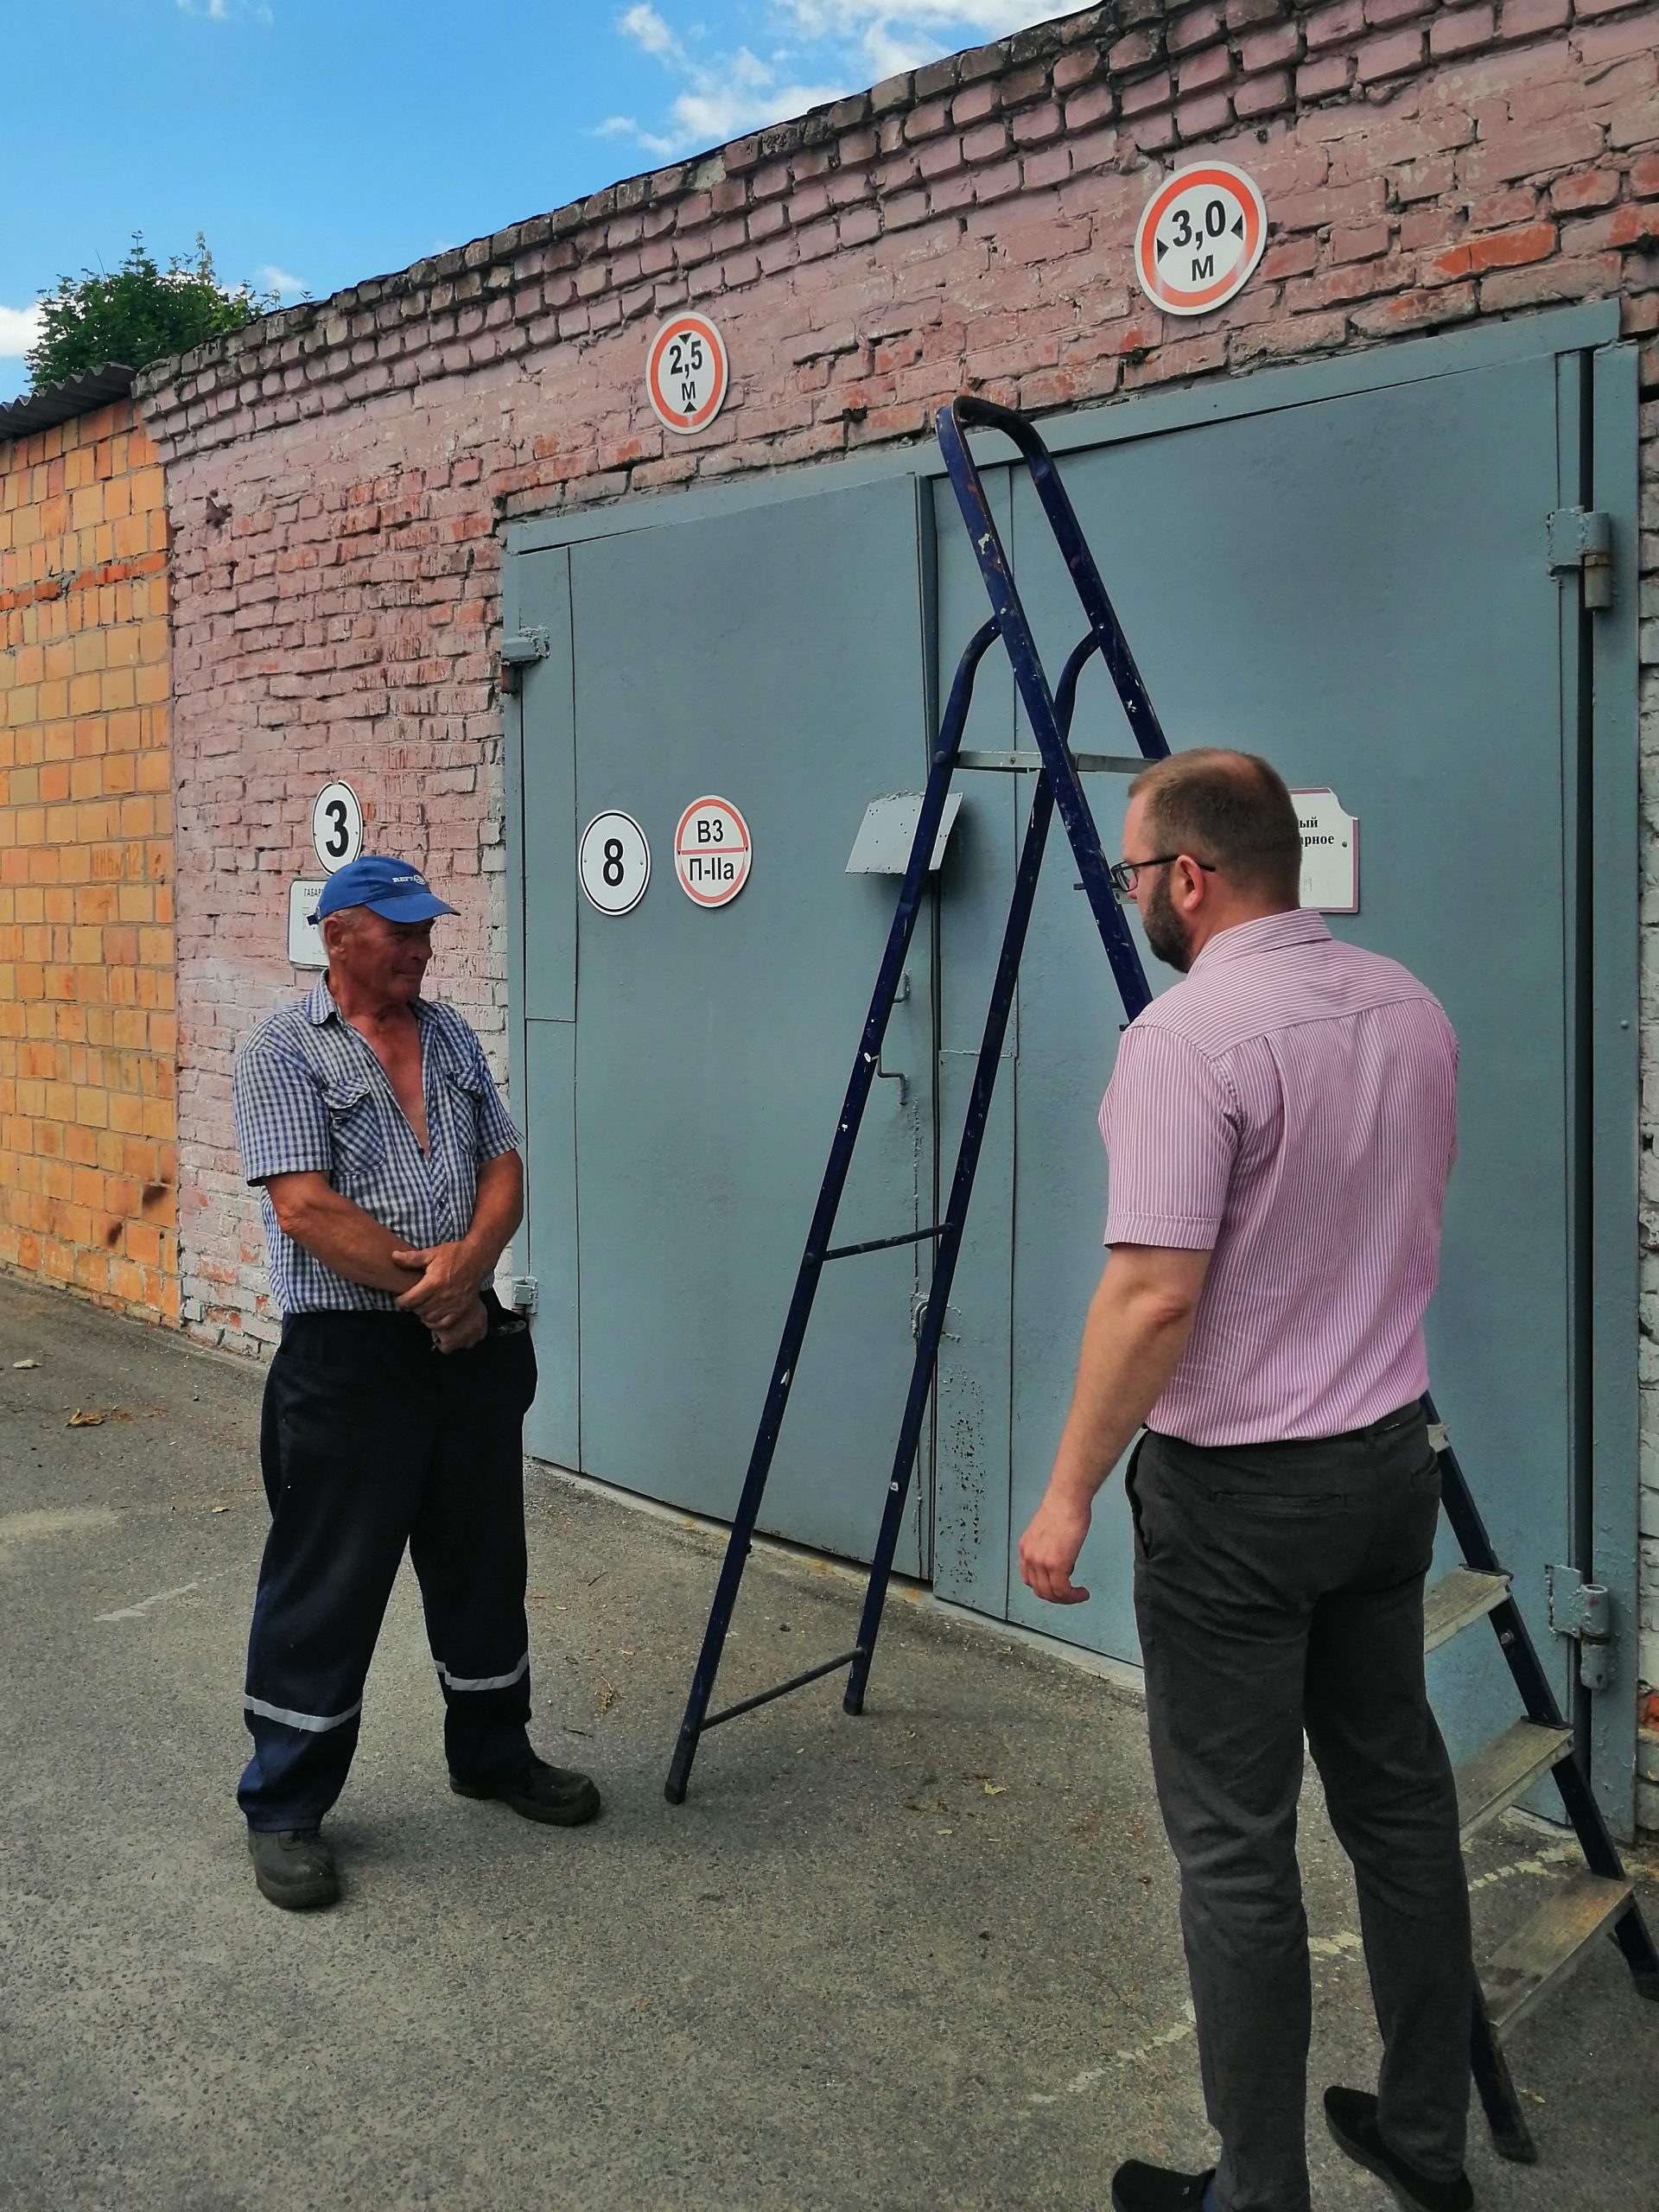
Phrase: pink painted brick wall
pixel 968 226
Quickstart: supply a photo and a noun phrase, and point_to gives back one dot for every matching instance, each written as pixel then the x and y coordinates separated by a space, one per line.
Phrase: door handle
pixel 897 1075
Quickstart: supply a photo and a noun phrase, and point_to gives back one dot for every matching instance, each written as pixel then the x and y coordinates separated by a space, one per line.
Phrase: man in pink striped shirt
pixel 1279 1127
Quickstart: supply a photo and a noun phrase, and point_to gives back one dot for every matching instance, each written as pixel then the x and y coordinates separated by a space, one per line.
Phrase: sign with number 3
pixel 337 826
pixel 686 373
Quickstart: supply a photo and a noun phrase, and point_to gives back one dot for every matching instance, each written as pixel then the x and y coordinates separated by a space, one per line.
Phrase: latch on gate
pixel 523 1293
pixel 518 649
pixel 1581 538
pixel 1584 1610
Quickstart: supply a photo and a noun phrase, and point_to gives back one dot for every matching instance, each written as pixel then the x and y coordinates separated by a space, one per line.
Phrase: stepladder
pixel 1600 1900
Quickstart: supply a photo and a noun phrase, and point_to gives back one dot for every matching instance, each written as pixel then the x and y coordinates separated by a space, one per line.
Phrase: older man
pixel 389 1183
pixel 1278 1127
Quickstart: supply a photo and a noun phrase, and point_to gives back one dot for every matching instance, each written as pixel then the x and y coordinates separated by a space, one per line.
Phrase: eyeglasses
pixel 1126 874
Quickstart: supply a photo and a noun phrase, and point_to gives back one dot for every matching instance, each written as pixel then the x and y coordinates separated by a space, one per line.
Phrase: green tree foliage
pixel 137 313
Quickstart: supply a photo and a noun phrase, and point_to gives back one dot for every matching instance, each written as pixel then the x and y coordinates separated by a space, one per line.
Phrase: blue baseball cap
pixel 390 887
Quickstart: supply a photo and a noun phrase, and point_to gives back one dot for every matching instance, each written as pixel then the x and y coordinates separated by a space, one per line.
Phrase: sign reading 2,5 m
pixel 686 375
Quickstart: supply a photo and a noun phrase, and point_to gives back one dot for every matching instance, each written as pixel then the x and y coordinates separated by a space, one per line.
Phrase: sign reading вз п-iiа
pixel 712 852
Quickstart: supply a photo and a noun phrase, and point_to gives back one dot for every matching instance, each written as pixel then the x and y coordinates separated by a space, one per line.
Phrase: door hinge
pixel 518 649
pixel 523 1293
pixel 1584 1610
pixel 1581 538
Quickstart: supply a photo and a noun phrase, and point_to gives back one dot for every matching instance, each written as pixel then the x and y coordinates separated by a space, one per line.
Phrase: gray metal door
pixel 1358 589
pixel 683 1072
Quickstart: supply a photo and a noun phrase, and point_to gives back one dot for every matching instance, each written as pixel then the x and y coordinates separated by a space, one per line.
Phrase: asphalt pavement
pixel 926 1959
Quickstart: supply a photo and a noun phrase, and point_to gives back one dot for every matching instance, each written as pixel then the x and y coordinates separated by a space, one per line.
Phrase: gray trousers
pixel 1278 1589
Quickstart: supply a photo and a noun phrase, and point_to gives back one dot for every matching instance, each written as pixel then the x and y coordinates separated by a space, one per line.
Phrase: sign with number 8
pixel 613 863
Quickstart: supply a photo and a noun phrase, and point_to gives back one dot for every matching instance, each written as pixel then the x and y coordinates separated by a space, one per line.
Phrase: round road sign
pixel 613 862
pixel 1200 236
pixel 337 826
pixel 686 374
pixel 711 852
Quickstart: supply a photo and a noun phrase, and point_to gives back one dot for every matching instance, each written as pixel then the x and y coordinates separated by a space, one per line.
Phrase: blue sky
pixel 316 142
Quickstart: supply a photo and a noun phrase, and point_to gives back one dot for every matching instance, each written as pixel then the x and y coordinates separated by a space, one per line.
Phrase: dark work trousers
pixel 1278 1588
pixel 371 1439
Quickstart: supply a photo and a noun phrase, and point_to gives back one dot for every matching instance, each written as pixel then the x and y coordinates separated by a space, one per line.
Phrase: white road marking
pixel 136 1612
pixel 1131 2055
pixel 1543 1862
pixel 1345 1945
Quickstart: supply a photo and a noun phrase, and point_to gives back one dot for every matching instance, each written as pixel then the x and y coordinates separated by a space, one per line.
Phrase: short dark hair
pixel 1228 808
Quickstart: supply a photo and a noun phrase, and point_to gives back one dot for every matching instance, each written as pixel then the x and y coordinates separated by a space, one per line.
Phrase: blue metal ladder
pixel 1604 1897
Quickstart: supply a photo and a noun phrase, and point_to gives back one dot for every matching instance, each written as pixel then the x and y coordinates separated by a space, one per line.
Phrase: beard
pixel 1163 927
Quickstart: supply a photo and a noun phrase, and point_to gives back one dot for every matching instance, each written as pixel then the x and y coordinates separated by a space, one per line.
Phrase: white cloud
pixel 272 279
pixel 646 25
pixel 19 329
pixel 825 49
pixel 226 11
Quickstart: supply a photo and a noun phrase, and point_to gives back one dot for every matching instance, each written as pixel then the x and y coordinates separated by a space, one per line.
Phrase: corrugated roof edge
pixel 61 402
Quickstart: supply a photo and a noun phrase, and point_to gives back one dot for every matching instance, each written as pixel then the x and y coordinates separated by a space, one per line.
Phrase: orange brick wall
pixel 88 1136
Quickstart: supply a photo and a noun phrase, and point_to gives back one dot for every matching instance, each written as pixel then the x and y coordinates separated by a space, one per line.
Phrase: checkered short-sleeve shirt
pixel 310 1097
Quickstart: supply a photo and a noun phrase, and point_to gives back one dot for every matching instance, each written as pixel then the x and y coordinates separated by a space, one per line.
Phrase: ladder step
pixel 886 1244
pixel 1506 1769
pixel 1456 1600
pixel 1542 1950
pixel 1086 764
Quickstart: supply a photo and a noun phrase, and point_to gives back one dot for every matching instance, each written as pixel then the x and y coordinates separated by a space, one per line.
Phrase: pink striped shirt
pixel 1290 1105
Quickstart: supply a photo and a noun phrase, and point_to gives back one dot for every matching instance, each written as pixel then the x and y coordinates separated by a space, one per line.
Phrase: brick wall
pixel 88 1168
pixel 339 474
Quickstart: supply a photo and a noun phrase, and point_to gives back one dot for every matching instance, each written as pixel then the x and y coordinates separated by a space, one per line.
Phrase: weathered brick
pixel 1205 117
pixel 1270 50
pixel 1501 250
pixel 1462 30
pixel 1265 95
pixel 1330 26
pixel 1332 72
pixel 1193 27
pixel 1199 71
pixel 1396 56
pixel 1527 18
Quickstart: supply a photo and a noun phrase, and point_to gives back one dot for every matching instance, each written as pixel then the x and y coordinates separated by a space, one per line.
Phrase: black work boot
pixel 1138 2187
pixel 1350 2115
pixel 540 1792
pixel 294 1868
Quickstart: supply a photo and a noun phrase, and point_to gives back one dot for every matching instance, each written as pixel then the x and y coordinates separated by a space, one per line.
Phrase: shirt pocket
pixel 464 1098
pixel 357 1133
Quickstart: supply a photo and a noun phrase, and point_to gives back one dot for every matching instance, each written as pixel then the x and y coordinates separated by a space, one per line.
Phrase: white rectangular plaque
pixel 1329 852
pixel 305 946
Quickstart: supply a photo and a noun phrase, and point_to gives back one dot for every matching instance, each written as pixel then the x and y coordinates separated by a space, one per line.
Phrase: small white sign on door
pixel 1329 852
pixel 613 862
pixel 305 945
pixel 337 826
pixel 711 852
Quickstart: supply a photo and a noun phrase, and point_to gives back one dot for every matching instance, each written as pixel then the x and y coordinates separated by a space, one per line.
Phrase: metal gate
pixel 683 1066
pixel 1346 568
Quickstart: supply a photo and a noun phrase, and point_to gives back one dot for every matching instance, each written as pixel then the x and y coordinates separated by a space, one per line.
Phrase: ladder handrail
pixel 1106 631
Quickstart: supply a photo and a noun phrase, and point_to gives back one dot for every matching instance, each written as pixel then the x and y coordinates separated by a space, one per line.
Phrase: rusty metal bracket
pixel 1581 538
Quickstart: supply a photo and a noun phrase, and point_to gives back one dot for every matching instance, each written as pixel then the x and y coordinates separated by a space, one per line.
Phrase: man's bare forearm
pixel 337 1232
pixel 1133 1340
pixel 497 1212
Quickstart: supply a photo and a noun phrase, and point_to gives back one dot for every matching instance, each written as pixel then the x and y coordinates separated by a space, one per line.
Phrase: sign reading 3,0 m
pixel 1201 235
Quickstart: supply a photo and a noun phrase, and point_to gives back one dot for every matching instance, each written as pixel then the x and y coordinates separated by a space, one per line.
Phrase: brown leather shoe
pixel 295 1868
pixel 540 1792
